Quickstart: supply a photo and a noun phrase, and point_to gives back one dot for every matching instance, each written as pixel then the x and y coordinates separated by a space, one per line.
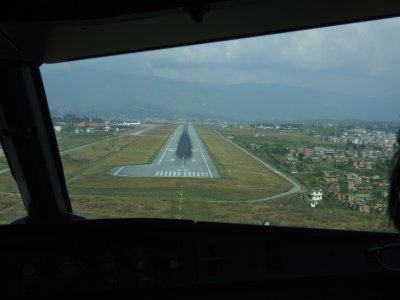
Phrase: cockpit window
pixel 293 129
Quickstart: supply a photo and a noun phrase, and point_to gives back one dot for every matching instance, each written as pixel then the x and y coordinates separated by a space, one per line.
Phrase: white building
pixel 314 197
pixel 57 128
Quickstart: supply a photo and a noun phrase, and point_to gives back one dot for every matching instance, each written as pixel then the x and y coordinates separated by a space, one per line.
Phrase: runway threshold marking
pixel 169 144
pixel 201 150
pixel 181 174
pixel 119 170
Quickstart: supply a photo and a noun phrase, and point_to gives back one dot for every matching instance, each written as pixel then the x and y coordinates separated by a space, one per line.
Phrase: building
pixel 361 205
pixel 360 163
pixel 291 160
pixel 57 128
pixel 306 151
pixel 316 159
pixel 89 129
pixel 346 197
pixel 314 197
pixel 330 151
pixel 331 177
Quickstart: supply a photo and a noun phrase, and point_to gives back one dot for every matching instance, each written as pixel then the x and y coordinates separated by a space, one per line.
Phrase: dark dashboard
pixel 188 260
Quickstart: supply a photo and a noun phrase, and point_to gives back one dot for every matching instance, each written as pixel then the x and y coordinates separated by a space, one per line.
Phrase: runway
pixel 166 163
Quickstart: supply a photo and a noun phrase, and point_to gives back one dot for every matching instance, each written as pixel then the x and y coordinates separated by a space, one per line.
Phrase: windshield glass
pixel 294 129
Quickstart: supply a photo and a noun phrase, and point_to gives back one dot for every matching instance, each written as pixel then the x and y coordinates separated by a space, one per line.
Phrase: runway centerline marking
pixel 201 150
pixel 166 150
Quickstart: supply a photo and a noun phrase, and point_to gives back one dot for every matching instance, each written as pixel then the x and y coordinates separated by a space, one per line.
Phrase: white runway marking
pixel 169 144
pixel 180 174
pixel 119 170
pixel 208 168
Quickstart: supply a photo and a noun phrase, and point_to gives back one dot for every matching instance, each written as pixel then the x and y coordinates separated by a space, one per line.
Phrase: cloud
pixel 358 58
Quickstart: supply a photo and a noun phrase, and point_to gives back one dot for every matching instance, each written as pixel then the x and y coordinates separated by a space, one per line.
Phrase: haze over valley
pixel 118 95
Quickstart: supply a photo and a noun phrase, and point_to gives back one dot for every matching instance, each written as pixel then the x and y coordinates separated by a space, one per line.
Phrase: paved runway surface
pixel 166 164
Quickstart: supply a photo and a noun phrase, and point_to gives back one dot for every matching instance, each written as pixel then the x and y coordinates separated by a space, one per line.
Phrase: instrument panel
pixel 103 257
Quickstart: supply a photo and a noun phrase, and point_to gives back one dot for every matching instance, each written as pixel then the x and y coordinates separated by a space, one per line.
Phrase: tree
pixel 377 193
pixel 344 187
pixel 301 157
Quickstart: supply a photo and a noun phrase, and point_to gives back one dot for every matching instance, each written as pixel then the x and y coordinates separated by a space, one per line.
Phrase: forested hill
pixel 133 96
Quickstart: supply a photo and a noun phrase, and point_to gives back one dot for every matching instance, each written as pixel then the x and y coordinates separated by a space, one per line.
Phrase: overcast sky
pixel 357 59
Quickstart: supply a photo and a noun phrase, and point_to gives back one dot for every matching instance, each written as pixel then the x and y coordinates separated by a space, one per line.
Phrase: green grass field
pixel 3 162
pixel 69 140
pixel 295 138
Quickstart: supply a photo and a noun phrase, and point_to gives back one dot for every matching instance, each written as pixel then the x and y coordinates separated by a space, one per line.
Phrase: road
pixel 147 127
pixel 166 163
pixel 295 189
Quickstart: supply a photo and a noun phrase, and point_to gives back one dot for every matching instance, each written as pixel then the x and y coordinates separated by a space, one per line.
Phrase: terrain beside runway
pixel 167 164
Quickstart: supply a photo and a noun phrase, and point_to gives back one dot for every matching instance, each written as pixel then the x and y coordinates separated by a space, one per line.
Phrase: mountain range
pixel 123 96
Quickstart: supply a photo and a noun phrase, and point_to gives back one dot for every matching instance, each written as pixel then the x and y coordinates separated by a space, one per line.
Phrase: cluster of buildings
pixel 357 193
pixel 360 159
pixel 91 126
pixel 87 127
pixel 353 189
pixel 360 136
pixel 364 151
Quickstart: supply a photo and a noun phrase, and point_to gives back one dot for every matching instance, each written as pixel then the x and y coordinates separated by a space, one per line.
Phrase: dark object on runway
pixel 184 149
